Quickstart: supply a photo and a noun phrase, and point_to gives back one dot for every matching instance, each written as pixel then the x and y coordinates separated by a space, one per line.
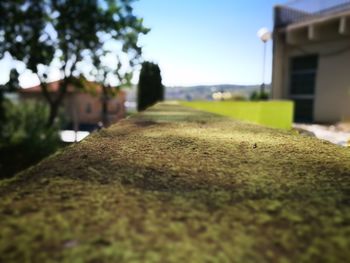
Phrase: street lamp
pixel 265 35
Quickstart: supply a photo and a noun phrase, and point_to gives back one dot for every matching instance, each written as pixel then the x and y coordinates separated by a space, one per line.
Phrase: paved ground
pixel 339 135
pixel 177 185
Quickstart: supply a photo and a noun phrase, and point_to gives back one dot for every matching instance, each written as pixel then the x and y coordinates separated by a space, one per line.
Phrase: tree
pixel 67 35
pixel 103 73
pixel 259 95
pixel 24 136
pixel 11 86
pixel 150 88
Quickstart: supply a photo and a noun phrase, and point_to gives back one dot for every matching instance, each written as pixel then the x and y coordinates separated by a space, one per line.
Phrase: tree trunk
pixel 55 103
pixel 105 119
pixel 54 107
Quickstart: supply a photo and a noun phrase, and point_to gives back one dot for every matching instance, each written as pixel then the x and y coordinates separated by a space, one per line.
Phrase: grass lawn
pixel 178 185
pixel 276 114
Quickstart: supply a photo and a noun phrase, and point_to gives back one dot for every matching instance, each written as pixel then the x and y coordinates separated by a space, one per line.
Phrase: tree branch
pixel 45 90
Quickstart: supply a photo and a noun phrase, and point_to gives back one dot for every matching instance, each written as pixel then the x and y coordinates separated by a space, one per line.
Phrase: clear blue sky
pixel 207 41
pixel 201 41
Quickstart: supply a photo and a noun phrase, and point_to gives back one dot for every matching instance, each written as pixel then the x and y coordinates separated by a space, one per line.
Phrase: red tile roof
pixel 52 87
pixel 90 86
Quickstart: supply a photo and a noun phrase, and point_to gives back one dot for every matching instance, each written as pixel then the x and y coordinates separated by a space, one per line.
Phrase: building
pixel 82 109
pixel 311 59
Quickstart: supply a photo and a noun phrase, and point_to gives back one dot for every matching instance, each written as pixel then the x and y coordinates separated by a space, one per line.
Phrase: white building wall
pixel 332 91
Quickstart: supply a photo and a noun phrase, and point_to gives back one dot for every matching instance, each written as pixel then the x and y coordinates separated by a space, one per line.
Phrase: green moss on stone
pixel 177 185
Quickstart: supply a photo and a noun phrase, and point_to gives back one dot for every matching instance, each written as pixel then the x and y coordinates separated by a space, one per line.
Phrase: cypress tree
pixel 150 88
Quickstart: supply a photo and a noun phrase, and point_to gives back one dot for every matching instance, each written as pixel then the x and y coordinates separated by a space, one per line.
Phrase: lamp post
pixel 265 35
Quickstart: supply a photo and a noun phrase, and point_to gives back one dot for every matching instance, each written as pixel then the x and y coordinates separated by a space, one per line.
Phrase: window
pixel 88 108
pixel 303 75
pixel 302 86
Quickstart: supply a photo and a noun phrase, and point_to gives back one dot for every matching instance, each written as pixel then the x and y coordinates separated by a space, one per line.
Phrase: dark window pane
pixel 303 83
pixel 88 108
pixel 303 110
pixel 304 63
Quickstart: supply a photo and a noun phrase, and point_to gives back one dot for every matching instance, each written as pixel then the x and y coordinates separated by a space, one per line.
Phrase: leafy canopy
pixel 68 35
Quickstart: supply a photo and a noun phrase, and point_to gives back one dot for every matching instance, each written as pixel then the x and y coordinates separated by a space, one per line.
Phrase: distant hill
pixel 205 92
pixel 200 92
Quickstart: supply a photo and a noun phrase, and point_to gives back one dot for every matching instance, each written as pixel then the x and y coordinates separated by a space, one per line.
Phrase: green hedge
pixel 276 114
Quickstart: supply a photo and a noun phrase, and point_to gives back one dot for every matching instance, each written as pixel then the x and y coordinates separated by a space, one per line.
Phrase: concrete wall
pixel 333 87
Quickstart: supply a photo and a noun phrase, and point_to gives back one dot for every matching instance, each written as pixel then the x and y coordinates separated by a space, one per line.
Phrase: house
pixel 82 109
pixel 311 59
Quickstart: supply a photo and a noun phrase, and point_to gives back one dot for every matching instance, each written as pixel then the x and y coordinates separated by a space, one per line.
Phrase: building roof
pixel 52 87
pixel 303 10
pixel 89 87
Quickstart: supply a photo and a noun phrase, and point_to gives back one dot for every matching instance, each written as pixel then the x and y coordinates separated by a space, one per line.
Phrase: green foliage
pixel 2 107
pixel 25 137
pixel 150 87
pixel 11 86
pixel 38 33
pixel 259 95
pixel 276 114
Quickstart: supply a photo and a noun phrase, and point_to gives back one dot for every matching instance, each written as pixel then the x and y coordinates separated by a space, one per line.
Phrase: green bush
pixel 24 136
pixel 150 88
pixel 258 95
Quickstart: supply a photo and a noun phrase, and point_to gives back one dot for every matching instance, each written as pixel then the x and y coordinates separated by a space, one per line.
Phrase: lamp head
pixel 264 34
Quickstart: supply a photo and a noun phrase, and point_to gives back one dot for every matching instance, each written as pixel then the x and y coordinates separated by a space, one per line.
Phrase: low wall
pixel 174 184
pixel 276 114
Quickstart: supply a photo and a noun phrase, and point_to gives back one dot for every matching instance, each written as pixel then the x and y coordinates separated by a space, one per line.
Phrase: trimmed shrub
pixel 150 89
